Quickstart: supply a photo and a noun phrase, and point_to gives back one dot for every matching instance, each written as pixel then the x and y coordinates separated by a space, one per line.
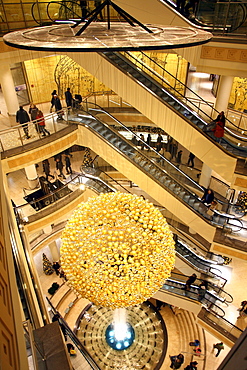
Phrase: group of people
pixel 178 360
pixel 59 166
pixel 37 117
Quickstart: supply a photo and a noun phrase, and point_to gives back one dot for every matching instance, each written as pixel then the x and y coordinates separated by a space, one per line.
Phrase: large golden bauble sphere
pixel 117 250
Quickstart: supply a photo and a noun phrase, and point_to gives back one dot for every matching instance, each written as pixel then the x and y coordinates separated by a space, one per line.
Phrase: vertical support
pixel 32 176
pixel 223 93
pixel 54 251
pixel 8 89
pixel 205 176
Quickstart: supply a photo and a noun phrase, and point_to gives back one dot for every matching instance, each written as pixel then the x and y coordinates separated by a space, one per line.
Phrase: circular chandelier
pixel 117 250
pixel 85 34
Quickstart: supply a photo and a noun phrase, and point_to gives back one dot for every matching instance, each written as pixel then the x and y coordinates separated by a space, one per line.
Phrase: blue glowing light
pixel 125 341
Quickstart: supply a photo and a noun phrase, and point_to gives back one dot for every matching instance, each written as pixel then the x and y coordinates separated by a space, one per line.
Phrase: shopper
pixel 179 158
pixel 33 111
pixel 219 347
pixel 23 118
pixel 202 289
pixel 243 309
pixel 58 107
pixel 59 167
pixel 176 361
pixel 191 366
pixel 46 169
pixel 68 165
pixel 68 98
pixel 208 197
pixel 191 160
pixel 56 266
pixel 54 92
pixel 41 124
pixel 190 281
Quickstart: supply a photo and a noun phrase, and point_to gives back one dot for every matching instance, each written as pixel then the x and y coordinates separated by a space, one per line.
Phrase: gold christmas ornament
pixel 117 250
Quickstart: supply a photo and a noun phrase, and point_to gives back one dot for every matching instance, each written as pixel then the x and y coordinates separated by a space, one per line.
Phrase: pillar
pixel 32 176
pixel 8 89
pixel 205 176
pixel 223 93
pixel 54 251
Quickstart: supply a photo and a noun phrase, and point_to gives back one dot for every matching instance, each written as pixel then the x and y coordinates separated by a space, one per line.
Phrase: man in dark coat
pixel 22 117
pixel 68 165
pixel 68 98
pixel 58 107
pixel 59 167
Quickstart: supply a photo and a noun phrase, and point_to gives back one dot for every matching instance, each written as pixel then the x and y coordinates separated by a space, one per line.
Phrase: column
pixel 8 89
pixel 205 176
pixel 54 251
pixel 223 93
pixel 32 176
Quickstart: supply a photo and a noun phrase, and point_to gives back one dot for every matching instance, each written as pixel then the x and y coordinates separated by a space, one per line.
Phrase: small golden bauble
pixel 117 250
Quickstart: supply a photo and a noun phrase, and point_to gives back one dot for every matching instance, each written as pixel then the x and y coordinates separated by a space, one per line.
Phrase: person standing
pixel 149 140
pixel 202 289
pixel 54 92
pixel 191 160
pixel 208 197
pixel 23 118
pixel 59 167
pixel 191 366
pixel 68 165
pixel 46 169
pixel 190 281
pixel 219 347
pixel 41 124
pixel 243 309
pixel 33 111
pixel 68 98
pixel 58 107
pixel 179 158
pixel 159 143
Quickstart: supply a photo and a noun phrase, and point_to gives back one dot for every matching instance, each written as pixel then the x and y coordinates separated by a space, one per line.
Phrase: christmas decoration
pixel 47 266
pixel 117 250
pixel 87 160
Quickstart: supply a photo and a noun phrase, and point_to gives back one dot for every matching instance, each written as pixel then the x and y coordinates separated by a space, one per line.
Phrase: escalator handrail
pixel 194 296
pixel 186 88
pixel 75 339
pixel 214 287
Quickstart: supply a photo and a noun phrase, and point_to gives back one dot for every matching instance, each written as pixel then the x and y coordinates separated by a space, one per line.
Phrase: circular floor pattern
pixel 148 349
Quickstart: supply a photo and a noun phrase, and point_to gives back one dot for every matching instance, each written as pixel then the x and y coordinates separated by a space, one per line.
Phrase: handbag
pixel 72 352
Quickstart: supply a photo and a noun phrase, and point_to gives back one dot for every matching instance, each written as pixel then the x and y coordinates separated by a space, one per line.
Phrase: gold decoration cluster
pixel 117 250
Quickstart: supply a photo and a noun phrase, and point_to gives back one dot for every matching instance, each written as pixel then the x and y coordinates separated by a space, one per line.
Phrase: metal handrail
pixel 75 339
pixel 185 87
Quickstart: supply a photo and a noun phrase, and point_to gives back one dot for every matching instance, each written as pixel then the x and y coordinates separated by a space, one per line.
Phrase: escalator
pixel 171 184
pixel 172 94
pixel 218 17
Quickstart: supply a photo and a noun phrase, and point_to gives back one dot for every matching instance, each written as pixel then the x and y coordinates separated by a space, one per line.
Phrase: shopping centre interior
pixel 141 123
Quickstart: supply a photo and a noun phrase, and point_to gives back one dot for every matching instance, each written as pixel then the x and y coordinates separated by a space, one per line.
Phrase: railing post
pixel 53 121
pixel 20 136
